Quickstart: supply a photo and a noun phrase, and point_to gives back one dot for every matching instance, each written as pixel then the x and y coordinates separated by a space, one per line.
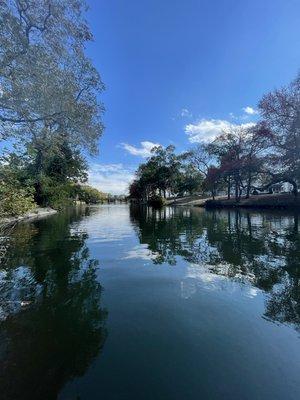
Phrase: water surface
pixel 116 303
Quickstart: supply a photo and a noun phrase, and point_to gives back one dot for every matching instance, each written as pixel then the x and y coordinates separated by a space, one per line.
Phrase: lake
pixel 113 302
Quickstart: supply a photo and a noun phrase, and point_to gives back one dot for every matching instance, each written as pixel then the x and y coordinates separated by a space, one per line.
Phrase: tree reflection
pixel 54 325
pixel 260 248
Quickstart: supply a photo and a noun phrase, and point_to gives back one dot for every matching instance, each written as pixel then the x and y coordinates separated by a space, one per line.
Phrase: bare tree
pixel 280 110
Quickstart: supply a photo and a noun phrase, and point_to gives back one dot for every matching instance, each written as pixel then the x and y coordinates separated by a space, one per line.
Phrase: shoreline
pixel 271 201
pixel 282 201
pixel 36 213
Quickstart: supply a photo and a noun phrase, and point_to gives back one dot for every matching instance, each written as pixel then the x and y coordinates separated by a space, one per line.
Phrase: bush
pixel 156 201
pixel 15 201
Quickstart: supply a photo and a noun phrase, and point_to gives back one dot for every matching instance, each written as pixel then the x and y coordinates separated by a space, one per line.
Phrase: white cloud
pixel 143 151
pixel 185 113
pixel 250 110
pixel 110 178
pixel 207 130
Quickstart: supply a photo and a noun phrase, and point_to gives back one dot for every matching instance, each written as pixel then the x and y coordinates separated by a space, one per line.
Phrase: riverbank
pixel 187 201
pixel 38 212
pixel 266 201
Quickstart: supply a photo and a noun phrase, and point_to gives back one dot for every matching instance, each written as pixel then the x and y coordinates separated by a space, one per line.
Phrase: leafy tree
pixel 16 189
pixel 136 190
pixel 48 92
pixel 90 195
pixel 280 111
pixel 42 58
pixel 189 180
pixel 60 166
pixel 159 174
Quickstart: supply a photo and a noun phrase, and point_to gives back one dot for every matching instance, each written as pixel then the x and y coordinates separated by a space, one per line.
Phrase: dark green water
pixel 112 303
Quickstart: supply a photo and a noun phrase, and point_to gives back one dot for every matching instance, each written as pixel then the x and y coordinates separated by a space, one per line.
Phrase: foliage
pixel 49 96
pixel 189 180
pixel 42 48
pixel 90 195
pixel 164 172
pixel 56 186
pixel 55 194
pixel 15 201
pixel 16 190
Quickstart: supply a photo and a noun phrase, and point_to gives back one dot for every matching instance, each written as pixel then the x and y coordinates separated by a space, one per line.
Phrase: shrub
pixel 15 201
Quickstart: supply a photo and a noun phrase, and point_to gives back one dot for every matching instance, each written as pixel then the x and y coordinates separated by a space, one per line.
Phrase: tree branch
pixel 29 120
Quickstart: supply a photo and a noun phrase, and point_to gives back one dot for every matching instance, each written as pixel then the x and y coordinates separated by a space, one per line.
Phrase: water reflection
pixel 53 324
pixel 260 249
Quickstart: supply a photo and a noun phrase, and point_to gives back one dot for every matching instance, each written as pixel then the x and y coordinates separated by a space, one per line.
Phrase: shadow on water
pixel 262 249
pixel 52 323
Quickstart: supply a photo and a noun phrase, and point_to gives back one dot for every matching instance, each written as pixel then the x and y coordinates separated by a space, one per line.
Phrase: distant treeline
pixel 244 159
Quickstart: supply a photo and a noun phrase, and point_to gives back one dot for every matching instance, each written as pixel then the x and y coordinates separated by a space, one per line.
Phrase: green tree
pixel 49 90
pixel 159 175
pixel 16 188
pixel 89 194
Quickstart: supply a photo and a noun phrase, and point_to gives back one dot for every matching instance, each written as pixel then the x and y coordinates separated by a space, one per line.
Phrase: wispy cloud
pixel 110 178
pixel 185 113
pixel 143 151
pixel 207 130
pixel 250 111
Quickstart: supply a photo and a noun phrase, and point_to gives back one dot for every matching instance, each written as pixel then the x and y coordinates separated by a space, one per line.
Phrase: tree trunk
pixel 236 191
pixel 228 188
pixel 38 198
pixel 248 186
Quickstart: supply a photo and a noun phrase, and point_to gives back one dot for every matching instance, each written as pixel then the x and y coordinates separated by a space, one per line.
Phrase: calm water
pixel 119 303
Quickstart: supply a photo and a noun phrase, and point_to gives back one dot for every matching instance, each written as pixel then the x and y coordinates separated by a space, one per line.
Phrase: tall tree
pixel 48 87
pixel 280 111
pixel 239 153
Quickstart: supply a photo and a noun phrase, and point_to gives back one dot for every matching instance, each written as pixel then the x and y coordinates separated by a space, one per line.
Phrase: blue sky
pixel 180 71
